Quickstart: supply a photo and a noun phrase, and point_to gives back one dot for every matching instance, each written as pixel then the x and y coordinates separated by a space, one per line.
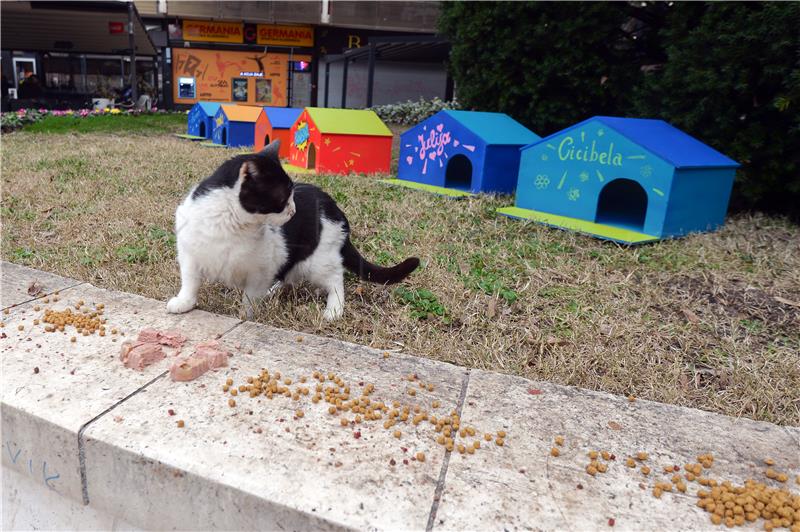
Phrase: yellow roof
pixel 241 113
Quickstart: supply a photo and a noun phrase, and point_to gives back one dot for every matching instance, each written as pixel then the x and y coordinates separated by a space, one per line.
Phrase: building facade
pixel 274 53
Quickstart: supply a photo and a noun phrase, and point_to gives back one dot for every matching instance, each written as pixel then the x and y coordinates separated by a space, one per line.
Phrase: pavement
pixel 89 443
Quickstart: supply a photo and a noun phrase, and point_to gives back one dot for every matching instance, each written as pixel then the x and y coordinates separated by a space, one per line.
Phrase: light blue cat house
pixel 466 151
pixel 200 120
pixel 631 180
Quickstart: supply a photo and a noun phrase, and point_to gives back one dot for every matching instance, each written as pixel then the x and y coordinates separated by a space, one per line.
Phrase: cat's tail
pixel 367 271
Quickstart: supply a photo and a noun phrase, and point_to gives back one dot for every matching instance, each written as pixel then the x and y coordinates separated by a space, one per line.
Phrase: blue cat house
pixel 200 121
pixel 629 180
pixel 463 152
pixel 235 125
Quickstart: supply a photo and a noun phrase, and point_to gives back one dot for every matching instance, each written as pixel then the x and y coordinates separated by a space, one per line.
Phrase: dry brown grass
pixel 703 321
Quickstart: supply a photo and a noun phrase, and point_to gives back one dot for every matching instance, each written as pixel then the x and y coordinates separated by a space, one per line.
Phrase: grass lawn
pixel 110 124
pixel 710 321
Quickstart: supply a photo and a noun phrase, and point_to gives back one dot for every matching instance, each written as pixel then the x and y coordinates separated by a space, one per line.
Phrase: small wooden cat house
pixel 625 179
pixel 464 150
pixel 340 141
pixel 234 125
pixel 200 120
pixel 274 123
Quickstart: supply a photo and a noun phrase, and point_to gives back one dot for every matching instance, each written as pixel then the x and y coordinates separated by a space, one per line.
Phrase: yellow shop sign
pixel 285 35
pixel 211 31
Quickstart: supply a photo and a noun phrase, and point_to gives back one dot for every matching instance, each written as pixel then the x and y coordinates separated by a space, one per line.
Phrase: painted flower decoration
pixel 646 170
pixel 574 194
pixel 541 181
pixel 584 176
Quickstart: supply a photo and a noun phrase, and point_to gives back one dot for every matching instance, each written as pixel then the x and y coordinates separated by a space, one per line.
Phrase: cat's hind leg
pixel 335 304
pixel 254 291
pixel 190 285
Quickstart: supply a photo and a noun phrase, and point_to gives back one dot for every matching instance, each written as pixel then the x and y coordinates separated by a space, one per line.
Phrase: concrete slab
pixel 27 505
pixel 522 487
pixel 51 387
pixel 256 465
pixel 16 281
pixel 77 426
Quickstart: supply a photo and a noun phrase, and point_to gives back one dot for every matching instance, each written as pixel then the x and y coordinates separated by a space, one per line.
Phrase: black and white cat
pixel 250 227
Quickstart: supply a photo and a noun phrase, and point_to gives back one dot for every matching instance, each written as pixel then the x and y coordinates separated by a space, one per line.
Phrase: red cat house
pixel 340 141
pixel 275 123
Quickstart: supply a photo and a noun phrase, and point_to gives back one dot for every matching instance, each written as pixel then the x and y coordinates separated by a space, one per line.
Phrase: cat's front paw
pixel 177 305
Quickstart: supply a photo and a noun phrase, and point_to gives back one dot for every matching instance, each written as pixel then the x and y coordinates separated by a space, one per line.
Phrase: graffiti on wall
pixel 217 76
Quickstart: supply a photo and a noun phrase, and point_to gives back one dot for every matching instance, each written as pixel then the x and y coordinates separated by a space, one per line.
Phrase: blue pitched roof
pixel 494 128
pixel 282 117
pixel 663 140
pixel 210 108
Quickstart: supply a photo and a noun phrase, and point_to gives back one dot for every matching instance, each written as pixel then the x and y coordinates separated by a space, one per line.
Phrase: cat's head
pixel 267 190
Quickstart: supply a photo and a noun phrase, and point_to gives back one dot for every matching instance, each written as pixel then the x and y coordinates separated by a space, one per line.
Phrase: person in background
pixel 4 98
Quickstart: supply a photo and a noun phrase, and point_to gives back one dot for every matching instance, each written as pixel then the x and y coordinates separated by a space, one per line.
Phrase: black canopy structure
pixel 416 48
pixel 76 27
pixel 102 27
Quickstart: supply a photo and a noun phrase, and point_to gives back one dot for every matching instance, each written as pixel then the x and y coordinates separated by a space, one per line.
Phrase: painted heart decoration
pixel 432 155
pixel 409 159
pixel 440 127
pixel 456 143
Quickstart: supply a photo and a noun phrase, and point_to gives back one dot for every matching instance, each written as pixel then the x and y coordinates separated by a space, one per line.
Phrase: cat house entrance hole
pixel 459 173
pixel 312 156
pixel 202 131
pixel 266 140
pixel 622 203
pixel 224 136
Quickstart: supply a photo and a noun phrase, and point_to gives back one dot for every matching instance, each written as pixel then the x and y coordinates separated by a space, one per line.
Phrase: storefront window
pixel 63 73
pixel 104 76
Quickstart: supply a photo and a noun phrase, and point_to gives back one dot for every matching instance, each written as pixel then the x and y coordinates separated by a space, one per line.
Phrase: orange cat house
pixel 340 141
pixel 275 123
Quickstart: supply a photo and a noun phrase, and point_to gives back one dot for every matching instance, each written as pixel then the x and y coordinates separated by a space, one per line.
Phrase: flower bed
pixel 17 119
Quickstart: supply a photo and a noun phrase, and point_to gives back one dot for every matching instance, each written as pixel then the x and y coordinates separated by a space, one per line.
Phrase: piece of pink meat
pixel 171 338
pixel 217 356
pixel 138 355
pixel 207 355
pixel 188 369
pixel 168 338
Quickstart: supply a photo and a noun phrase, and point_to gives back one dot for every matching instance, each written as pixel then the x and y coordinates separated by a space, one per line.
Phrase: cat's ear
pixel 272 149
pixel 248 170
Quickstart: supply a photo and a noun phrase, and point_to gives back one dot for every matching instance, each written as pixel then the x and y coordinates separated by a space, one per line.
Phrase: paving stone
pixel 256 465
pixel 521 487
pixel 16 281
pixel 51 387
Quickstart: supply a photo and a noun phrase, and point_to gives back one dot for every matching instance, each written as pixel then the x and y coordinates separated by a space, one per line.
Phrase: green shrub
pixel 732 79
pixel 726 73
pixel 411 113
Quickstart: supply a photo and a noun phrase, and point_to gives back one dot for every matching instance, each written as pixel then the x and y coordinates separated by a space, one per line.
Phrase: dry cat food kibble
pixel 365 408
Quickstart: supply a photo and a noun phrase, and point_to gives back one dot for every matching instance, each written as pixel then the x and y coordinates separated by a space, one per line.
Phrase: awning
pixel 413 48
pixel 75 27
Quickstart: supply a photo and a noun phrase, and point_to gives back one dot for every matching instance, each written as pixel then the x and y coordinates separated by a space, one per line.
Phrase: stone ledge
pixel 230 469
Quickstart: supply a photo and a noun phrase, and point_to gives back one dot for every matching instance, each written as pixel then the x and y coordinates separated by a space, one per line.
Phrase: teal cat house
pixel 629 180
